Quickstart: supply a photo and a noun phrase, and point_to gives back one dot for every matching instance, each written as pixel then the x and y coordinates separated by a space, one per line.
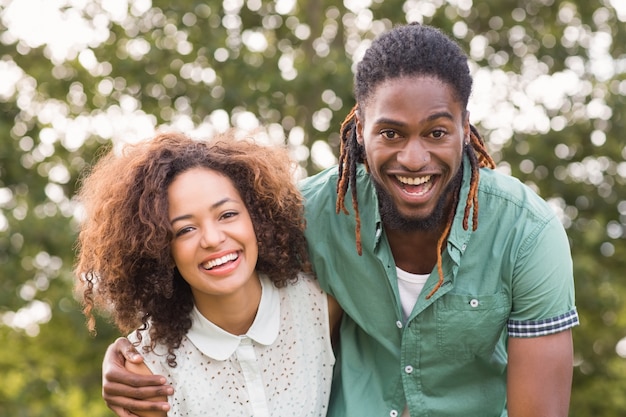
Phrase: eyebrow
pixel 430 118
pixel 439 115
pixel 214 206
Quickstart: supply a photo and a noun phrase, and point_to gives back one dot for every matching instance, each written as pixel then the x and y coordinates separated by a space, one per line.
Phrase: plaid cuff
pixel 534 328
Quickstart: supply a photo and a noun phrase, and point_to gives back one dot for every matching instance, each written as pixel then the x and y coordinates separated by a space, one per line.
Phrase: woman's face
pixel 214 245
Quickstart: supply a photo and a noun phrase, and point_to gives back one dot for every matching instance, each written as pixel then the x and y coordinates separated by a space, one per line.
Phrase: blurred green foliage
pixel 143 65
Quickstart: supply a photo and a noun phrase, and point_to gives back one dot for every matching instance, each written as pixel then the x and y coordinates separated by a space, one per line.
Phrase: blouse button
pixel 408 369
pixel 399 324
pixel 474 303
pixel 393 413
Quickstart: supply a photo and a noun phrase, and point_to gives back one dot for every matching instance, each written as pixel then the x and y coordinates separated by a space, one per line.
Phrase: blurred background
pixel 79 76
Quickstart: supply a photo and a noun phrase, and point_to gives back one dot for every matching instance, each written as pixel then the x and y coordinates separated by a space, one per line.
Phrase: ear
pixel 359 128
pixel 466 128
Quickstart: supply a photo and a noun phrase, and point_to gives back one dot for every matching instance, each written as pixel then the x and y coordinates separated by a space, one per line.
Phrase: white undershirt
pixel 410 286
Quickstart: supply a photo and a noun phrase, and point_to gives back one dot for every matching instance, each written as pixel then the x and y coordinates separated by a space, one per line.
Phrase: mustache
pixel 394 220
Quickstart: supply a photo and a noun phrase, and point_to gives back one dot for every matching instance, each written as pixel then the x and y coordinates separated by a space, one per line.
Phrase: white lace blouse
pixel 281 367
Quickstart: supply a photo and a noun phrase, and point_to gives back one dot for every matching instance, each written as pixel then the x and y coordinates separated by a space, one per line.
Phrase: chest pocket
pixel 470 325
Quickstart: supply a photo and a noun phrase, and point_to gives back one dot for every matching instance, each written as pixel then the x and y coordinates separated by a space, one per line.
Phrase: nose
pixel 414 155
pixel 212 236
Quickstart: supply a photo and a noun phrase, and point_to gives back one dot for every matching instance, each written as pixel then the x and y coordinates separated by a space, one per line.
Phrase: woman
pixel 199 246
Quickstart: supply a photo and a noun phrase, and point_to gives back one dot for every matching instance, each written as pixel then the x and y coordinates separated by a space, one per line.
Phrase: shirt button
pixel 399 324
pixel 474 303
pixel 463 247
pixel 393 413
pixel 408 369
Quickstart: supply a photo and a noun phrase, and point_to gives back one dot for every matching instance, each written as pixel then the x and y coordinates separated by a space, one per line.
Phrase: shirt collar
pixel 218 344
pixel 459 237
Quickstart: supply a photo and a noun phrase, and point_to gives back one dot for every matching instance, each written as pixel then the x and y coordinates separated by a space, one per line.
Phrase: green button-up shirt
pixel 512 277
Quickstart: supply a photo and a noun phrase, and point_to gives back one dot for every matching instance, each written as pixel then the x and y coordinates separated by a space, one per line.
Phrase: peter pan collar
pixel 218 344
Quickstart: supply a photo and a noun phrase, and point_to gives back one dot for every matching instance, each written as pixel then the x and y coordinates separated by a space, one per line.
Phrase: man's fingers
pixel 122 405
pixel 122 412
pixel 129 352
pixel 122 350
pixel 135 382
pixel 139 391
pixel 126 392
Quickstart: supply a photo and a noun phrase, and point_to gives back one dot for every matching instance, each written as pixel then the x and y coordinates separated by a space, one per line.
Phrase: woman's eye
pixel 183 231
pixel 229 214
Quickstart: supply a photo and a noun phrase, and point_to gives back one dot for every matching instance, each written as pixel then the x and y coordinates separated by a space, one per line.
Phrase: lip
pixel 225 268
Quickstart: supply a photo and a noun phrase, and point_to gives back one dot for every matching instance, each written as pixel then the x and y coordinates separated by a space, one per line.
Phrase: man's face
pixel 413 130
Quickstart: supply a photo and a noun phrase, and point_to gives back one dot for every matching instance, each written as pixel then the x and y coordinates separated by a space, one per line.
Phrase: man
pixel 455 280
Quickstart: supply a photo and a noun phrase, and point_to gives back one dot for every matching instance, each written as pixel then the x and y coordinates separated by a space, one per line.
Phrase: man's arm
pixel 539 376
pixel 334 318
pixel 126 392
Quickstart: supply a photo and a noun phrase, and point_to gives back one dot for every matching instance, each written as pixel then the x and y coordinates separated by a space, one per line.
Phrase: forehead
pixel 200 181
pixel 411 95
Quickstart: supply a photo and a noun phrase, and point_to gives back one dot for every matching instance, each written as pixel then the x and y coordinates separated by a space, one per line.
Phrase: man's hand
pixel 126 392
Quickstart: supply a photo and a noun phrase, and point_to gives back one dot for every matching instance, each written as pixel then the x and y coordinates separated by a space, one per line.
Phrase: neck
pixel 414 251
pixel 234 312
pixel 414 248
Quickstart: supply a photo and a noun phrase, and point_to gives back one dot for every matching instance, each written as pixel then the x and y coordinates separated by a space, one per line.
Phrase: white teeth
pixel 220 261
pixel 413 181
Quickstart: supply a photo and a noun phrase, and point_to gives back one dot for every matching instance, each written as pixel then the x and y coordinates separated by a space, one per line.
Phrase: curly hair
pixel 412 50
pixel 124 265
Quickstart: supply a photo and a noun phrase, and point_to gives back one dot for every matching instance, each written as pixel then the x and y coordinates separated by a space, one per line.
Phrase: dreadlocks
pixel 411 50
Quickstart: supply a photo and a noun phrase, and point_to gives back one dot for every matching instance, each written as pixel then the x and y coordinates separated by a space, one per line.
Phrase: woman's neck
pixel 234 312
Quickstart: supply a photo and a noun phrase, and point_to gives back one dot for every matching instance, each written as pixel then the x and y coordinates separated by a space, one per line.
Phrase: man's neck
pixel 414 251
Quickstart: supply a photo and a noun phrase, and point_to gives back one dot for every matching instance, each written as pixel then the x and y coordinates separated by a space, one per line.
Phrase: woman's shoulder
pixel 305 292
pixel 310 282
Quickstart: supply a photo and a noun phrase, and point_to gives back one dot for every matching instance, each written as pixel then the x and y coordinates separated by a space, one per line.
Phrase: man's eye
pixel 389 134
pixel 438 134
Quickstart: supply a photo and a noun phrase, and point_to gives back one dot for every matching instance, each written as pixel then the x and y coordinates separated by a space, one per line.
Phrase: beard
pixel 394 220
